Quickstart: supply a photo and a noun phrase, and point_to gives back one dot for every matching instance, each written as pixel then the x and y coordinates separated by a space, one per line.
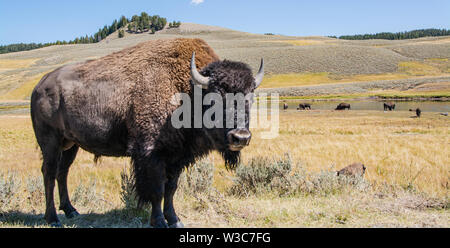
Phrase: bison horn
pixel 197 78
pixel 259 77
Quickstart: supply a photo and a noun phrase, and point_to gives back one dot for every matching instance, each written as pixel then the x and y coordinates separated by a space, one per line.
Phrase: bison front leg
pixel 151 178
pixel 169 210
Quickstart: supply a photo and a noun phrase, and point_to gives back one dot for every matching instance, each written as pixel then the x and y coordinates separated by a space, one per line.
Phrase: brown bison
pixel 389 106
pixel 343 106
pixel 355 169
pixel 121 105
pixel 304 106
pixel 285 106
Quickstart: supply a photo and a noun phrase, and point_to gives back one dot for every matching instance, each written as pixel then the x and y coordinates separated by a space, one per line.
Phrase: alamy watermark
pixel 235 111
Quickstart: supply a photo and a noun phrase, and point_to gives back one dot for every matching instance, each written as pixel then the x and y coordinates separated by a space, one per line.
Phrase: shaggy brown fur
pixel 355 169
pixel 152 72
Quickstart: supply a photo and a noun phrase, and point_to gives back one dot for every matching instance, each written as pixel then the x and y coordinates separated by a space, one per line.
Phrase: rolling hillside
pixel 290 61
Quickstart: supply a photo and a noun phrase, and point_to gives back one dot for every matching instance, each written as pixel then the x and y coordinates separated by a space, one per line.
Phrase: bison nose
pixel 239 137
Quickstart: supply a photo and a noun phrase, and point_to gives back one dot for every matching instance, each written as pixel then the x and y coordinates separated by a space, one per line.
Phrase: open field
pixel 290 61
pixel 406 184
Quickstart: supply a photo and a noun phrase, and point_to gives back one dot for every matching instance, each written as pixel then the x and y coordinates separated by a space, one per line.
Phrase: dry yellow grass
pixel 9 64
pixel 305 79
pixel 406 70
pixel 437 41
pixel 300 42
pixel 415 68
pixel 399 151
pixel 393 146
pixel 24 90
pixel 295 79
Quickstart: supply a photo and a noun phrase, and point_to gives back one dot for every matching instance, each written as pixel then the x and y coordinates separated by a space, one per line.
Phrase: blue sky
pixel 51 20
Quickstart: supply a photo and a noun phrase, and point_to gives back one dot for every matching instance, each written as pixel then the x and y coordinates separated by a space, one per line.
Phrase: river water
pixel 427 106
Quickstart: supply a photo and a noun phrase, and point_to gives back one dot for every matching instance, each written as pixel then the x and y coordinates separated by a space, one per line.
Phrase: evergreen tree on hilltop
pixel 414 34
pixel 121 33
pixel 122 22
pixel 142 23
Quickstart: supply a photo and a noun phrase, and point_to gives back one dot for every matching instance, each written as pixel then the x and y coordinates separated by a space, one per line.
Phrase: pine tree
pixel 121 33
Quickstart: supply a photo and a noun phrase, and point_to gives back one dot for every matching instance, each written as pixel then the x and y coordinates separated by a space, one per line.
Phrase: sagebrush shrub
pixel 35 192
pixel 276 175
pixel 264 175
pixel 127 190
pixel 89 195
pixel 9 189
pixel 197 178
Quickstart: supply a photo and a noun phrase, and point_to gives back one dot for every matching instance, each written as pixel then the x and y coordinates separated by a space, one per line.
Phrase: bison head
pixel 233 83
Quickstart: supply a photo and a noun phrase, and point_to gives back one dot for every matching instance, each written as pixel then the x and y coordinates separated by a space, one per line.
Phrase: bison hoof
pixel 56 224
pixel 72 214
pixel 159 223
pixel 179 224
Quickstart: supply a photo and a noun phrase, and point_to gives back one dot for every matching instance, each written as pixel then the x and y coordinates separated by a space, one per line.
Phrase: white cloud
pixel 197 2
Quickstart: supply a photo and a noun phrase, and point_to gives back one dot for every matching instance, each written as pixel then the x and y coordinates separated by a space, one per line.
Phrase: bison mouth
pixel 235 148
pixel 238 139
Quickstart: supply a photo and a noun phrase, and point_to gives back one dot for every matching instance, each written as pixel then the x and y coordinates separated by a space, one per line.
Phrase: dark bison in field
pixel 121 105
pixel 304 106
pixel 418 112
pixel 343 106
pixel 285 106
pixel 389 106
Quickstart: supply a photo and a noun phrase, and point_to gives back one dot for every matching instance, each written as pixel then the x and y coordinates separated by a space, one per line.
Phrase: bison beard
pixel 231 158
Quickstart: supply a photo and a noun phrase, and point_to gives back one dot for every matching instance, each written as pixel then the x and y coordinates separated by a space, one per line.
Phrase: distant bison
pixel 285 106
pixel 389 106
pixel 304 106
pixel 122 105
pixel 355 170
pixel 343 106
pixel 418 111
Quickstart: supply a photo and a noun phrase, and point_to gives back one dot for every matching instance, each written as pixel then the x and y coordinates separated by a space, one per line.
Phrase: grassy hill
pixel 290 61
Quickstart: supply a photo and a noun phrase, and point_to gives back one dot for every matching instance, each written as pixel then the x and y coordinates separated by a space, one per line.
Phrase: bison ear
pixel 259 77
pixel 197 78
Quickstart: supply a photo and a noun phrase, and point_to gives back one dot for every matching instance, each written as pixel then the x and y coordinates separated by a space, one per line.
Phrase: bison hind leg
pixel 66 161
pixel 51 155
